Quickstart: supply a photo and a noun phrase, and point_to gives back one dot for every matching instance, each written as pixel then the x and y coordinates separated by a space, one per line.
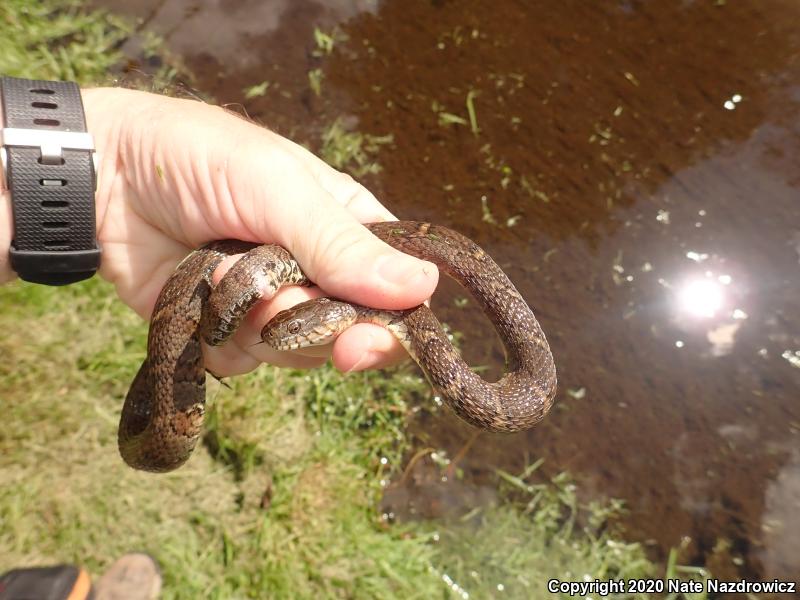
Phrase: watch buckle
pixel 51 144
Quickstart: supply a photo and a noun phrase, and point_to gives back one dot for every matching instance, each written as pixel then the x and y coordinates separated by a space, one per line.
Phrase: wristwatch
pixel 48 165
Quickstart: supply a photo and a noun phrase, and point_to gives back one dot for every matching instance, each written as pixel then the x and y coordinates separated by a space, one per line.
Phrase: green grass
pixel 285 501
pixel 281 500
pixel 58 40
pixel 350 150
pixel 313 438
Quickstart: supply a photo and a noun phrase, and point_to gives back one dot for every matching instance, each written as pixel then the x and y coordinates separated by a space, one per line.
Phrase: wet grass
pixel 281 500
pixel 473 115
pixel 352 151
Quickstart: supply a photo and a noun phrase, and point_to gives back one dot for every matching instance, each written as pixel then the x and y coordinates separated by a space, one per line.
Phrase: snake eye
pixel 294 326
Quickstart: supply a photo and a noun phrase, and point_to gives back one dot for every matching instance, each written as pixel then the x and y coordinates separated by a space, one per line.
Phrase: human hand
pixel 177 173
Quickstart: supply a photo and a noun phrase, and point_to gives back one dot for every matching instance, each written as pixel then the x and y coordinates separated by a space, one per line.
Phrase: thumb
pixel 351 263
pixel 345 259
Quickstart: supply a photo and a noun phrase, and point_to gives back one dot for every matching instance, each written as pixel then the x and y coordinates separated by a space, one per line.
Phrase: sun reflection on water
pixel 707 301
pixel 701 297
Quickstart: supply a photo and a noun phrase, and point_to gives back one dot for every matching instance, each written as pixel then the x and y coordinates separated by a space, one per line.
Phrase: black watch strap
pixel 48 163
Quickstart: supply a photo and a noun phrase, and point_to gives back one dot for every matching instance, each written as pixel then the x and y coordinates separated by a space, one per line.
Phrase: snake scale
pixel 163 413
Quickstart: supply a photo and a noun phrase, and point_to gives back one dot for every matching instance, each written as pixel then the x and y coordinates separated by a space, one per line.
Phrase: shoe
pixel 61 582
pixel 134 576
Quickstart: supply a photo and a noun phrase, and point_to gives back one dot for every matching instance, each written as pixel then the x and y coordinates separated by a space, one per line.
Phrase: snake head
pixel 311 323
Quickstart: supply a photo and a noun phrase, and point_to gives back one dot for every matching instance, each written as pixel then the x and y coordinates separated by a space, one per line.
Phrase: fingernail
pixel 367 360
pixel 400 269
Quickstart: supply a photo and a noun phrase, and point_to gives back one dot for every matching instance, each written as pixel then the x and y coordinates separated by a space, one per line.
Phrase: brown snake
pixel 163 413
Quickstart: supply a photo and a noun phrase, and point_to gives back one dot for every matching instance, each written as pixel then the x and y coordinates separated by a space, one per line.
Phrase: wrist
pixel 6 233
pixel 125 125
pixel 104 108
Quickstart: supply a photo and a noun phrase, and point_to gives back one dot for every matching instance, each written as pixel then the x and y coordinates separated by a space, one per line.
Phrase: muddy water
pixel 635 168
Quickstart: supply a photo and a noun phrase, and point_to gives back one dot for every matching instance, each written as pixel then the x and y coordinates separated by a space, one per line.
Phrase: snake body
pixel 163 412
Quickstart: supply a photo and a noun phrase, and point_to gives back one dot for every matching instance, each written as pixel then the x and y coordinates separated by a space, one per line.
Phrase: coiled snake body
pixel 163 412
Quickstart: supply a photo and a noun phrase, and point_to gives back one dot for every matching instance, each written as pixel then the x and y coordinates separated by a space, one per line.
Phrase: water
pixel 634 169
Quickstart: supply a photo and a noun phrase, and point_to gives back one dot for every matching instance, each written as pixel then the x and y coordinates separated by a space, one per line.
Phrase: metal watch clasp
pixel 51 144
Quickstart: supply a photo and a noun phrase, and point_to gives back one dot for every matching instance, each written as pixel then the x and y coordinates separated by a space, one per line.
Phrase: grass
pixel 315 81
pixel 316 445
pixel 446 118
pixel 473 117
pixel 281 500
pixel 351 151
pixel 58 40
pixel 325 42
pixel 254 91
pixel 282 497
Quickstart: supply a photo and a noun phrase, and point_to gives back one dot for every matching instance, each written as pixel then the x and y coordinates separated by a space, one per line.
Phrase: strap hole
pixel 42 91
pixel 48 122
pixel 50 105
pixel 55 225
pixel 54 203
pixel 57 245
pixel 60 160
pixel 53 182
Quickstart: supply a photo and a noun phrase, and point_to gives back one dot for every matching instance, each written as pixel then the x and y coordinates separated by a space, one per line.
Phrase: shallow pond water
pixel 633 166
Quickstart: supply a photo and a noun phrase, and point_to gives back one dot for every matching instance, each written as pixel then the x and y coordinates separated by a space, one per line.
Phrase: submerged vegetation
pixel 350 150
pixel 282 497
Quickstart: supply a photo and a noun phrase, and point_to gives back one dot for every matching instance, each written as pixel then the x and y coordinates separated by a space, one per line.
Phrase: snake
pixel 162 417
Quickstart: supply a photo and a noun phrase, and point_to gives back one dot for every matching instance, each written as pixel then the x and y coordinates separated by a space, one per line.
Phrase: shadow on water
pixel 634 170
